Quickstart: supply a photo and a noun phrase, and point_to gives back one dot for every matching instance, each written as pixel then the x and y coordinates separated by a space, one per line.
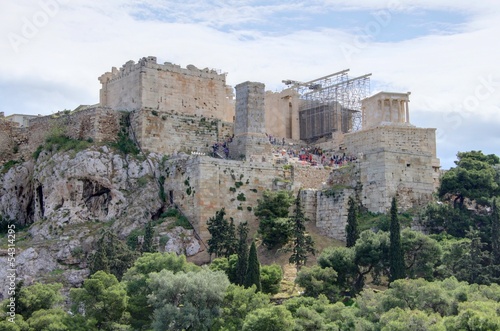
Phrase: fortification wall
pixel 328 209
pixel 7 143
pixel 395 161
pixel 307 177
pixel 282 114
pixel 121 89
pixel 168 88
pixel 166 133
pixel 99 124
pixel 250 140
pixel 201 185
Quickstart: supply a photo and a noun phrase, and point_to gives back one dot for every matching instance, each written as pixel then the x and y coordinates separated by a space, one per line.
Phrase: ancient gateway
pixel 365 144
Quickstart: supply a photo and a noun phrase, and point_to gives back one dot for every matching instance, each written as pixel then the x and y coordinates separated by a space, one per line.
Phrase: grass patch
pixel 61 143
pixel 183 222
pixel 8 165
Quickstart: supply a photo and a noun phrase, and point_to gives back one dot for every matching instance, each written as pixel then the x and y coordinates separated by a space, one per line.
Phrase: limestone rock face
pixel 68 198
pixel 16 193
pixel 182 241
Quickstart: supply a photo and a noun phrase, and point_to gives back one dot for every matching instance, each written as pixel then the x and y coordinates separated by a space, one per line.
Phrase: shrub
pixel 9 164
pixel 183 221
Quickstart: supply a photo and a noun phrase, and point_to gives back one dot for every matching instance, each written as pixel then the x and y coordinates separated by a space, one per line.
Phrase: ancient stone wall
pixel 168 88
pixel 200 186
pixel 98 124
pixel 250 140
pixel 166 133
pixel 328 208
pixel 282 114
pixel 6 141
pixel 395 161
pixel 307 177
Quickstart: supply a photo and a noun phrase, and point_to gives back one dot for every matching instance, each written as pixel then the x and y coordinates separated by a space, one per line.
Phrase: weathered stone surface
pixel 181 241
pixel 167 88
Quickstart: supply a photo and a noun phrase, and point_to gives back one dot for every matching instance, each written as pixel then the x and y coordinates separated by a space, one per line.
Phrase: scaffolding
pixel 330 103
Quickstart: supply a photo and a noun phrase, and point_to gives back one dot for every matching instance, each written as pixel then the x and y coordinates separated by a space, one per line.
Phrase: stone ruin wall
pixel 250 141
pixel 305 177
pixel 395 161
pixel 99 124
pixel 282 114
pixel 166 133
pixel 7 141
pixel 168 88
pixel 328 209
pixel 200 186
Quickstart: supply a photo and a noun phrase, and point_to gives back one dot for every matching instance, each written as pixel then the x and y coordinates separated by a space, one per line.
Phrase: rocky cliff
pixel 65 200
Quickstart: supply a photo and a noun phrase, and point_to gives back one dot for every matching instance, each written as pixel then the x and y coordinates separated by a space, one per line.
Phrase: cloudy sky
pixel 446 52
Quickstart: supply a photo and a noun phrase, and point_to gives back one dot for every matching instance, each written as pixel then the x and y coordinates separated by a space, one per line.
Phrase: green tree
pixel 223 238
pixel 396 259
pixel 398 319
pixel 101 298
pixel 147 246
pixel 351 229
pixel 495 234
pixel 242 265
pixel 317 280
pixel 272 211
pixel 36 297
pixel 474 178
pixel 253 274
pixel 302 244
pixel 228 265
pixel 186 301
pixel 59 320
pixel 422 254
pixel 476 259
pixel 342 260
pixel 112 255
pixel 136 283
pixel 274 205
pixel 371 257
pixel 238 303
pixel 270 278
pixel 276 318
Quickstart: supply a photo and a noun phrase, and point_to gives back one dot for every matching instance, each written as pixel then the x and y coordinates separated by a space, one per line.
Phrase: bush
pixel 61 142
pixel 9 164
pixel 275 232
pixel 172 212
pixel 183 221
pixel 270 278
pixel 125 145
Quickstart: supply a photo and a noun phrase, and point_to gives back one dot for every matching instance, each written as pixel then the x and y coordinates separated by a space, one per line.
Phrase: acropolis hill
pixel 182 112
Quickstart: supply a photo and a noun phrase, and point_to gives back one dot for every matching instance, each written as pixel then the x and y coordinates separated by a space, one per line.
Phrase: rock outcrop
pixel 67 199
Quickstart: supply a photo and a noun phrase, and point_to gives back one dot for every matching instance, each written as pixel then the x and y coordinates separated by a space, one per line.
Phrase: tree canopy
pixel 475 177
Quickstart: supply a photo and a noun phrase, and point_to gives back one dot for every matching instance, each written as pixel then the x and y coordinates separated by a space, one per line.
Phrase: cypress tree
pixel 351 229
pixel 147 245
pixel 219 228
pixel 396 259
pixel 495 234
pixel 253 273
pixel 302 244
pixel 242 265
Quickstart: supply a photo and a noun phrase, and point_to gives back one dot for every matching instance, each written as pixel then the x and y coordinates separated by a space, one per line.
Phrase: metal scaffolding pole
pixel 330 103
